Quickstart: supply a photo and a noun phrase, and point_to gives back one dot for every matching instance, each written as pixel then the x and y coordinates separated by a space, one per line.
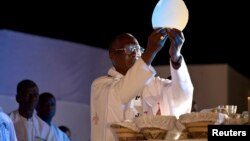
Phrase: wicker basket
pixel 198 130
pixel 126 134
pixel 184 135
pixel 155 127
pixel 154 133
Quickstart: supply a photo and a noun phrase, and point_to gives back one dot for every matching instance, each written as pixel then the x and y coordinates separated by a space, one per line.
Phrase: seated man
pixel 28 126
pixel 46 110
pixel 7 129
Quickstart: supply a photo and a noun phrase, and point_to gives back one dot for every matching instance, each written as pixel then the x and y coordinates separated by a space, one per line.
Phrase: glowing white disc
pixel 170 13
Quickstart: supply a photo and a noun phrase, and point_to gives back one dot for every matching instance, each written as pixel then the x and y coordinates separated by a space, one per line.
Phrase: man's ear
pixel 111 55
pixel 18 98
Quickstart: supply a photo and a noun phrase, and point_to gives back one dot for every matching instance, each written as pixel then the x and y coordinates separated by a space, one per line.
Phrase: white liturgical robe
pixel 114 97
pixel 33 129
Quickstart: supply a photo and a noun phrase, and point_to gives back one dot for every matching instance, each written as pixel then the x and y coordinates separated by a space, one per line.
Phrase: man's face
pixel 47 107
pixel 29 98
pixel 125 53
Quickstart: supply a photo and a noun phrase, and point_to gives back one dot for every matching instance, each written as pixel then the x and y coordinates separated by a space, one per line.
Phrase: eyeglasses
pixel 132 48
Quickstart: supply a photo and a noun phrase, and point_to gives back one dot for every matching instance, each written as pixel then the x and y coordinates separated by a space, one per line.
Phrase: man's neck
pixel 46 119
pixel 26 113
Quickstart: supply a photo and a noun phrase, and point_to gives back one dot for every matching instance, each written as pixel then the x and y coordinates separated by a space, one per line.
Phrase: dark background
pixel 217 31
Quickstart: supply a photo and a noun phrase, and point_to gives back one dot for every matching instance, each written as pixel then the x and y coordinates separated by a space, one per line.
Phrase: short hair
pixel 119 37
pixel 44 96
pixel 65 129
pixel 25 84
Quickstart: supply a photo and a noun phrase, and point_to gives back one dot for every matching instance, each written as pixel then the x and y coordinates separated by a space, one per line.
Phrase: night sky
pixel 217 31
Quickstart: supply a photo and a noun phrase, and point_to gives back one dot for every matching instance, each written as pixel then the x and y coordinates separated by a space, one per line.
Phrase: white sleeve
pixel 181 91
pixel 137 77
pixel 174 97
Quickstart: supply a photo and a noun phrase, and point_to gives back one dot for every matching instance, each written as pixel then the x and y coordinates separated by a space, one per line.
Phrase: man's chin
pixel 132 62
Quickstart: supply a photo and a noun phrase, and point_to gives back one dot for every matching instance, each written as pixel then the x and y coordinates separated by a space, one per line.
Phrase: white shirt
pixel 7 129
pixel 56 134
pixel 112 96
pixel 33 129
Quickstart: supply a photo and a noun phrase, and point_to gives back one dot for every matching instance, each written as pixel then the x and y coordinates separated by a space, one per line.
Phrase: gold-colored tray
pixel 126 134
pixel 198 130
pixel 154 133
